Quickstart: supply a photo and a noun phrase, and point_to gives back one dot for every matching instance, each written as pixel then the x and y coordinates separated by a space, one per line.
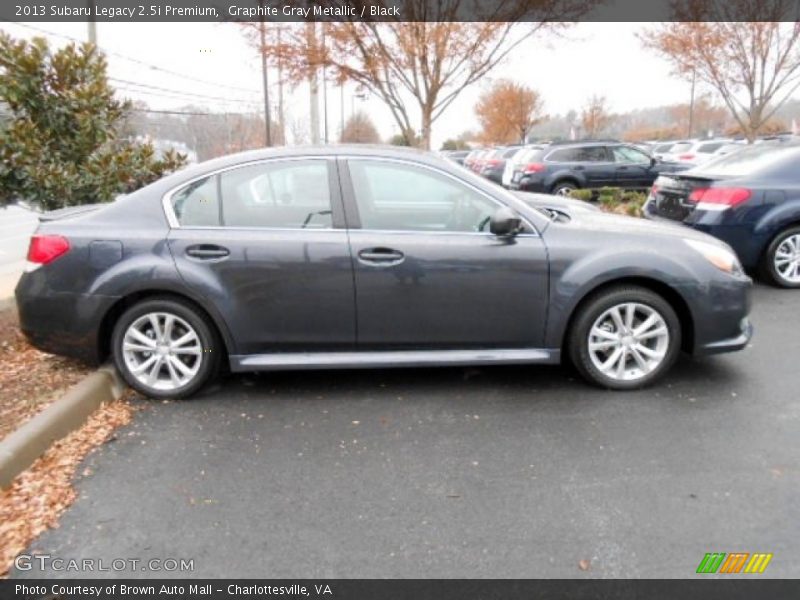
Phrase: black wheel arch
pixel 672 296
pixel 116 310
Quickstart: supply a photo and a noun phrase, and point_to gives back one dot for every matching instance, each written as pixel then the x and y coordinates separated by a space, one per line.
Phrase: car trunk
pixel 671 195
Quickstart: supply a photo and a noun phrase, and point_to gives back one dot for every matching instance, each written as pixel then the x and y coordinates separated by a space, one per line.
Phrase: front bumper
pixel 730 344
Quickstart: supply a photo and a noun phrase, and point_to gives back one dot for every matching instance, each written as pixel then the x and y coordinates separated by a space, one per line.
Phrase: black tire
pixel 209 358
pixel 768 270
pixel 593 308
pixel 563 188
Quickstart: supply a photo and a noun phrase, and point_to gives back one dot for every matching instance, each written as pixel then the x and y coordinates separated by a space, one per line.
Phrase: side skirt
pixel 392 358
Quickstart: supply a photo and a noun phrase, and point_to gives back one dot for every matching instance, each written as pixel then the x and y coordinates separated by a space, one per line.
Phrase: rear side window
pixel 291 194
pixel 288 195
pixel 580 154
pixel 197 205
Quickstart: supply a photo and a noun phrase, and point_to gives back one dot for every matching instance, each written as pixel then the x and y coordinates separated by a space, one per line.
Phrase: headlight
pixel 719 256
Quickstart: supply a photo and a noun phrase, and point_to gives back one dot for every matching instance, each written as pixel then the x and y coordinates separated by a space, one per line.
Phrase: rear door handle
pixel 381 256
pixel 207 252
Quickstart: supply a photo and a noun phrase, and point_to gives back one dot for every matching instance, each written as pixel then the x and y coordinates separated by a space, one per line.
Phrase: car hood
pixel 623 225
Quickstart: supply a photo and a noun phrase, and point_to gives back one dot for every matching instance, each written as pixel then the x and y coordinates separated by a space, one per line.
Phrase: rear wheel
pixel 563 188
pixel 781 263
pixel 163 348
pixel 624 338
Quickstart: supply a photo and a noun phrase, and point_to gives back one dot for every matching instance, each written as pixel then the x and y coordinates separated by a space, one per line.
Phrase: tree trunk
pixel 427 122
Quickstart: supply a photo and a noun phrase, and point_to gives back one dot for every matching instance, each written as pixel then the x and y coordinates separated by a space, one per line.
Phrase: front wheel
pixel 781 264
pixel 164 349
pixel 624 338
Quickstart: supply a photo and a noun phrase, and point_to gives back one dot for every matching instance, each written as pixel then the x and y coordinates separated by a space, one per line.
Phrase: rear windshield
pixel 752 160
pixel 662 147
pixel 682 147
pixel 528 155
pixel 707 148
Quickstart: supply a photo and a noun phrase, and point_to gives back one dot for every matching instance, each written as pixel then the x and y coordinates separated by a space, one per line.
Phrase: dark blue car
pixel 749 199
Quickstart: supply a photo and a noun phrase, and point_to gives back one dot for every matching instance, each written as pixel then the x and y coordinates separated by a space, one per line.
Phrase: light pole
pixel 262 28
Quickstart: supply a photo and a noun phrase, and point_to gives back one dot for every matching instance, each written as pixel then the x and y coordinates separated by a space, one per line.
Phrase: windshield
pixel 749 160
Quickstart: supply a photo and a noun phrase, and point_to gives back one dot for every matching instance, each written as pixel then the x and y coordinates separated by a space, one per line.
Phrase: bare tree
pixel 420 65
pixel 595 116
pixel 742 50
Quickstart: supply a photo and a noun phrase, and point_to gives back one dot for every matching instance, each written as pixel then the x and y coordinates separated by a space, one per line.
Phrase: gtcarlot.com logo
pixel 735 562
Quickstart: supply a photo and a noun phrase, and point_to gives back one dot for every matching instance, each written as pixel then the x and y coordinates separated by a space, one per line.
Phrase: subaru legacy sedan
pixel 350 257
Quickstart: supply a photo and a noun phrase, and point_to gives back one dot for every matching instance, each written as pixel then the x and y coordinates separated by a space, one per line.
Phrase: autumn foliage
pixel 507 111
pixel 739 48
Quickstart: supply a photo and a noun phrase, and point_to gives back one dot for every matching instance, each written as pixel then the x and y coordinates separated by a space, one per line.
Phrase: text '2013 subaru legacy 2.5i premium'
pixel 750 199
pixel 369 257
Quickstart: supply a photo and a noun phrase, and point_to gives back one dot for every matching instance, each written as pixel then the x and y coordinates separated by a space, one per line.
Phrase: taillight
pixel 45 249
pixel 492 163
pixel 724 197
pixel 534 168
pixel 686 157
pixel 653 191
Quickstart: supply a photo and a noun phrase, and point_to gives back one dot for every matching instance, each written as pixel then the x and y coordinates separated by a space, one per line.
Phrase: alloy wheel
pixel 628 341
pixel 162 351
pixel 787 259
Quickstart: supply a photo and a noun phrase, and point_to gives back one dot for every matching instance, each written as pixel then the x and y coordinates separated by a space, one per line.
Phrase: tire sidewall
pixel 591 311
pixel 208 340
pixel 768 266
pixel 563 185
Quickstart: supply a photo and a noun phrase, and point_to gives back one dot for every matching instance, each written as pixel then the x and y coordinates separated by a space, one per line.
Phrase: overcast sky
pixel 222 71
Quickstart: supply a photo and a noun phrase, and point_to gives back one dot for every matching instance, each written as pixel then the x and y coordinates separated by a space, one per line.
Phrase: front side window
pixel 292 194
pixel 626 154
pixel 400 197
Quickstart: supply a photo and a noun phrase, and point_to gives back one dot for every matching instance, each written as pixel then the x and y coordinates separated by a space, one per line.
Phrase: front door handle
pixel 381 256
pixel 207 252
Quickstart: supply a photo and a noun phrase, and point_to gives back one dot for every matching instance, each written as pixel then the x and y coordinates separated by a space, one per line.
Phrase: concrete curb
pixel 22 447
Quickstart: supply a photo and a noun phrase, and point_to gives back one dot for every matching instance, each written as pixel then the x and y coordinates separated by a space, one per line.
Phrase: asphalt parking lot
pixel 497 472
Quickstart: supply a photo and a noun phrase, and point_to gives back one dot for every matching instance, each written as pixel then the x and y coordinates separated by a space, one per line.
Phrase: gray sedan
pixel 346 257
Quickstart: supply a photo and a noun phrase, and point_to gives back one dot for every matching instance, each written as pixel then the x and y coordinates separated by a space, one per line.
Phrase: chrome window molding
pixel 172 219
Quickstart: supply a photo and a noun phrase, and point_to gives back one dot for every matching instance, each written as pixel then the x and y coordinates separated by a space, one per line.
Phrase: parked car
pixel 457 156
pixel 561 168
pixel 469 159
pixel 729 147
pixel 348 256
pixel 494 164
pixel 526 155
pixel 658 150
pixel 696 153
pixel 749 199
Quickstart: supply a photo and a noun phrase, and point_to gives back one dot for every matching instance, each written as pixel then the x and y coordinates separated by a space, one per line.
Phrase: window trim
pixel 333 190
pixel 354 218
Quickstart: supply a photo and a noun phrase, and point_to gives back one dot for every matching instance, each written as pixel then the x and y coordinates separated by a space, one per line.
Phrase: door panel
pixel 427 272
pixel 273 265
pixel 450 290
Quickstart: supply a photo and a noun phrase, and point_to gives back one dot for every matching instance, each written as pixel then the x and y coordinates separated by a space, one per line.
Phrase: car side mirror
pixel 653 161
pixel 505 222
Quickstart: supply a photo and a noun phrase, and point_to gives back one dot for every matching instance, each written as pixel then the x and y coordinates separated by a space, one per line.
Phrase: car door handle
pixel 383 256
pixel 207 252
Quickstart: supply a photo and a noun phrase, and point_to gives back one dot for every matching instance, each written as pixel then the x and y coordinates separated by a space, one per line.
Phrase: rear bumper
pixel 60 323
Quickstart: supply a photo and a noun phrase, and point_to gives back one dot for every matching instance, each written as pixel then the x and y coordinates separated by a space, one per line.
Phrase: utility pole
pixel 313 83
pixel 691 105
pixel 262 27
pixel 324 90
pixel 91 23
pixel 281 116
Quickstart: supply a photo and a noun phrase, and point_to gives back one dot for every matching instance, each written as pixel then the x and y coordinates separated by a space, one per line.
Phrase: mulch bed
pixel 29 380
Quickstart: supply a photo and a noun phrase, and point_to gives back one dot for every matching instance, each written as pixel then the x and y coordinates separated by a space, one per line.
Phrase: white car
pixel 519 158
pixel 694 152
